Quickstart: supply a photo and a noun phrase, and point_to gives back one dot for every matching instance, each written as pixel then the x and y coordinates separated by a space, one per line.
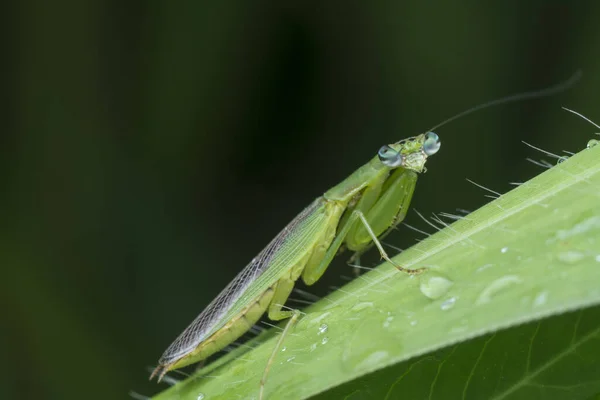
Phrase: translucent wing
pixel 254 279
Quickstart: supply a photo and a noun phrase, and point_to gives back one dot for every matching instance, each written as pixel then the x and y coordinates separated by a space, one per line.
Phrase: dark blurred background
pixel 149 150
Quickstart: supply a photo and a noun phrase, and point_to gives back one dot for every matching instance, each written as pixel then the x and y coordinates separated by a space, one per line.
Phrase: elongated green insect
pixel 366 205
pixel 373 199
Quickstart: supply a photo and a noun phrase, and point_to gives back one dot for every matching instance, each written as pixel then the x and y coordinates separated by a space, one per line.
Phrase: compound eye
pixel 432 143
pixel 390 157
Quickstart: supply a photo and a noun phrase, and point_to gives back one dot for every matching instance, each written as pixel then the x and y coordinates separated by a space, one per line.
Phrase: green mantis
pixel 354 214
pixel 374 199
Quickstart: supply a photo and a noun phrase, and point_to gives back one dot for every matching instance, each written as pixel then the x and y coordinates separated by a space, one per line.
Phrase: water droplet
pixel 504 250
pixel 325 340
pixel 458 329
pixel 413 323
pixel 562 159
pixel 484 267
pixel 592 143
pixel 589 224
pixel 597 258
pixel 200 396
pixel 496 286
pixel 448 304
pixel 361 306
pixel 323 329
pixel 387 322
pixel 435 287
pixel 540 299
pixel 292 358
pixel 283 349
pixel 373 359
pixel 317 318
pixel 313 347
pixel 571 256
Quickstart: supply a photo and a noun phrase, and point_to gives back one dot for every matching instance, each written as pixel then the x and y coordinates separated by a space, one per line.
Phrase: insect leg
pixel 283 288
pixel 389 210
pixel 282 292
pixel 288 326
pixel 326 250
pixel 322 256
pixel 382 252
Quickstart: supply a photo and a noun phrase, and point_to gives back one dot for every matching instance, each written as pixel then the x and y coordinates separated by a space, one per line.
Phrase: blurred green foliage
pixel 150 149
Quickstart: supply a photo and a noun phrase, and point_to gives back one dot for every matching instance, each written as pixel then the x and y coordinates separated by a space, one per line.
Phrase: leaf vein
pixel 476 364
pixel 559 356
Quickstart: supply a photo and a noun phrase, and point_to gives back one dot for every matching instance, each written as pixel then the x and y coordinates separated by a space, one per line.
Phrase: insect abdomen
pixel 230 332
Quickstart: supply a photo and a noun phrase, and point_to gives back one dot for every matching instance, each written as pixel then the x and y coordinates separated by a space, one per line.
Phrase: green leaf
pixel 555 358
pixel 506 310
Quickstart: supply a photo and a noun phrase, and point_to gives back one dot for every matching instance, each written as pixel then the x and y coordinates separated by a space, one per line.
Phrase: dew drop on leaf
pixel 540 299
pixel 388 321
pixel 323 329
pixel 495 287
pixel 484 267
pixel 435 286
pixel 571 256
pixel 373 359
pixel 448 304
pixel 458 329
pixel 361 306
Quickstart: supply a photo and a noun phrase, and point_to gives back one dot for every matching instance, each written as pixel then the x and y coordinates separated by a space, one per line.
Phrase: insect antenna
pixel 517 97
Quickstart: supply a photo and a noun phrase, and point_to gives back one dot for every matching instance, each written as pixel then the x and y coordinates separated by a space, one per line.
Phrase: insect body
pixel 374 199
